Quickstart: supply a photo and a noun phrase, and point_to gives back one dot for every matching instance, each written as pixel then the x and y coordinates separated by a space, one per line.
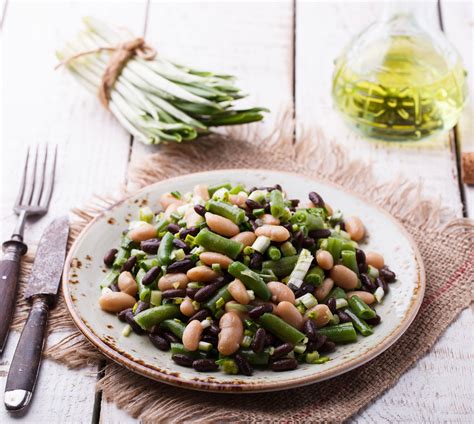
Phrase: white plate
pixel 84 269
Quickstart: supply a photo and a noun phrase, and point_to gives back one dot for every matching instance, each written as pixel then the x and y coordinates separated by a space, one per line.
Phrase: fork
pixel 33 199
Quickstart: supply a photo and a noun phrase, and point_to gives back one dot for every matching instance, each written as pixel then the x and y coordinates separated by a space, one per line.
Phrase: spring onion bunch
pixel 156 100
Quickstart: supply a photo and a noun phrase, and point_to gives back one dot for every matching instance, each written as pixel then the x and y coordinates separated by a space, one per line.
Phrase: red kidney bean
pixel 151 276
pixel 253 224
pixel 360 256
pixel 367 283
pixel 204 365
pixel 316 199
pixel 173 228
pixel 200 210
pixel 209 339
pixel 381 283
pixel 331 302
pixel 159 342
pixel 342 225
pixel 129 264
pixel 256 260
pixel 258 311
pixel 171 337
pixel 150 246
pixel 285 364
pixel 267 208
pixel 343 317
pixel 183 360
pixel 212 330
pixel 193 231
pixel 191 292
pixel 294 202
pixel 131 322
pixel 307 242
pixel 180 244
pixel 304 289
pixel 258 342
pixel 316 344
pixel 363 267
pixel 114 288
pixel 310 329
pixel 173 293
pixel 142 306
pixel 282 350
pixel 244 367
pixel 288 226
pixel 374 321
pixel 298 238
pixel 181 266
pixel 199 315
pixel 109 257
pixel 387 274
pixel 121 315
pixel 252 204
pixel 327 347
pixel 206 292
pixel 320 233
pixel 269 339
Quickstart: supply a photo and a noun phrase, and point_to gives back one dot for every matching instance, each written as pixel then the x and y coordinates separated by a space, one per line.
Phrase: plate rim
pixel 242 386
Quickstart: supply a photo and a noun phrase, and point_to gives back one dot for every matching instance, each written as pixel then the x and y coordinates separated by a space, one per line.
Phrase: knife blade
pixel 49 260
pixel 41 290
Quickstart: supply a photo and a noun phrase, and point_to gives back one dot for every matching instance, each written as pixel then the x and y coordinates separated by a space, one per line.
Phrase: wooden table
pixel 283 53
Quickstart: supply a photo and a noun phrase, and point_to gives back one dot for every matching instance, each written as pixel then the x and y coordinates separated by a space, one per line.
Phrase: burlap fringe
pixel 313 155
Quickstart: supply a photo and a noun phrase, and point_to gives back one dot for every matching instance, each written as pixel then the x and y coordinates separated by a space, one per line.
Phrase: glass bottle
pixel 400 79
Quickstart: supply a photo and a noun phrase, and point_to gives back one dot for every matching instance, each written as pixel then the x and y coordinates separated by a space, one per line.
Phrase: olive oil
pixel 400 87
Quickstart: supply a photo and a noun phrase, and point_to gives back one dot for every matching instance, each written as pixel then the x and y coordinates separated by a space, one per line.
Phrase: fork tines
pixel 38 180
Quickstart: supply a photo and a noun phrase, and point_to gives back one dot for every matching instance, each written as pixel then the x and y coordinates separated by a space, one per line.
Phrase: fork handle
pixel 9 273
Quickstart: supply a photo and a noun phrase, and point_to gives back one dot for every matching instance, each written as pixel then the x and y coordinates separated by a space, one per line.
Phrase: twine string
pixel 121 54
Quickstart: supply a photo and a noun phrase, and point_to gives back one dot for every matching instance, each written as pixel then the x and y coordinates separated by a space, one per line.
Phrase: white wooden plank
pixel 251 40
pixel 458 20
pixel 322 30
pixel 61 395
pixel 41 105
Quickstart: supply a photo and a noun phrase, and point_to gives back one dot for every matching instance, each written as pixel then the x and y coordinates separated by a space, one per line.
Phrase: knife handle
pixel 25 364
pixel 9 273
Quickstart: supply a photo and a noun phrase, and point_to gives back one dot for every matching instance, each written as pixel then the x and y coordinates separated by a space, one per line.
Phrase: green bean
pixel 315 276
pixel 178 348
pixel 282 267
pixel 219 244
pixel 274 253
pixel 234 213
pixel 277 204
pixel 223 293
pixel 334 247
pixel 161 225
pixel 307 219
pixel 228 366
pixel 110 278
pixel 148 264
pixel 341 333
pixel 175 326
pixel 237 189
pixel 360 308
pixel 349 260
pixel 336 293
pixel 348 245
pixel 144 292
pixel 251 279
pixel 288 249
pixel 361 326
pixel 212 189
pixel 154 316
pixel 126 242
pixel 253 358
pixel 280 328
pixel 164 251
pixel 122 255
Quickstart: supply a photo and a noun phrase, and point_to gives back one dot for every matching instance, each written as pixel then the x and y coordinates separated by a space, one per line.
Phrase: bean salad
pixel 231 279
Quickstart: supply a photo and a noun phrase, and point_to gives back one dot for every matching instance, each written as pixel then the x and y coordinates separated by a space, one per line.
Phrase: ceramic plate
pixel 84 269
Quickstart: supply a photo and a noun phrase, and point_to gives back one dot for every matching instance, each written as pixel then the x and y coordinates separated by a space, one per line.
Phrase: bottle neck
pixel 423 12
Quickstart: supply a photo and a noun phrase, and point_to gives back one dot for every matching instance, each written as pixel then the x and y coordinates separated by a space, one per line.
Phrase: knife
pixel 42 290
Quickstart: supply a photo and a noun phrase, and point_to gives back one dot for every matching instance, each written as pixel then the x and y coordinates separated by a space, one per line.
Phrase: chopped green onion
pixel 261 244
pixel 288 249
pixel 300 348
pixel 301 268
pixel 308 300
pixel 126 331
pixel 156 297
pixel 341 303
pixel 205 346
pixel 145 214
pixel 311 357
pixel 379 294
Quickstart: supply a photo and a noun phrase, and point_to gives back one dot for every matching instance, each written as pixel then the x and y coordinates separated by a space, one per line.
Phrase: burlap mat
pixel 445 244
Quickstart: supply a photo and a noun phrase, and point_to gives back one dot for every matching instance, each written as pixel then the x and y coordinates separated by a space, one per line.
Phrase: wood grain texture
pixel 458 21
pixel 41 105
pixel 251 40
